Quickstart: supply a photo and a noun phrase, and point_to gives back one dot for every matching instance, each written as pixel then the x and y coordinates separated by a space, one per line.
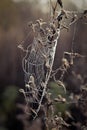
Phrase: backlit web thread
pixel 33 65
pixel 34 62
pixel 35 69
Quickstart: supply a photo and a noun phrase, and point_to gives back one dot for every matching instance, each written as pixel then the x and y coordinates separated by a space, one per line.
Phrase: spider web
pixel 33 64
pixel 35 69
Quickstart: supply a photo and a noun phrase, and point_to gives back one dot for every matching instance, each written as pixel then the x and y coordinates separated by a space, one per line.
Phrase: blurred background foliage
pixel 58 90
pixel 8 14
pixel 14 16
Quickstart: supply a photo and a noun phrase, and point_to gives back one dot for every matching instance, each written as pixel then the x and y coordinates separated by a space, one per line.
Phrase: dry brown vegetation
pixel 71 72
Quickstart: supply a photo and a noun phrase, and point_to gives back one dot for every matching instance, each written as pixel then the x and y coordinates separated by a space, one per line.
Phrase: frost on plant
pixel 38 62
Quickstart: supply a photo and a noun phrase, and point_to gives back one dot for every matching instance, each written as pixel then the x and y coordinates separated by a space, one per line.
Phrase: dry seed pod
pixel 74 19
pixel 22 91
pixel 47 65
pixel 61 98
pixel 32 26
pixel 52 26
pixel 40 22
pixel 27 86
pixel 60 83
pixel 32 81
pixel 68 114
pixel 65 63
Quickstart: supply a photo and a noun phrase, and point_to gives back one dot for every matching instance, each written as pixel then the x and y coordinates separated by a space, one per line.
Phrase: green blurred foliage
pixel 8 98
pixel 2 128
pixel 58 90
pixel 7 104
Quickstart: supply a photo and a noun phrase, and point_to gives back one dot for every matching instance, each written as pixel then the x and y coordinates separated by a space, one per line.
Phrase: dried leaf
pixel 60 3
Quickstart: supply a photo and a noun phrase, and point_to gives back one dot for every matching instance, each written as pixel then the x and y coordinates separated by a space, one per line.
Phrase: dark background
pixel 14 17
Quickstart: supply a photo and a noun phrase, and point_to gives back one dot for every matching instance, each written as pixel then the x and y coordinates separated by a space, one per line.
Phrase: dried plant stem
pixel 53 50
